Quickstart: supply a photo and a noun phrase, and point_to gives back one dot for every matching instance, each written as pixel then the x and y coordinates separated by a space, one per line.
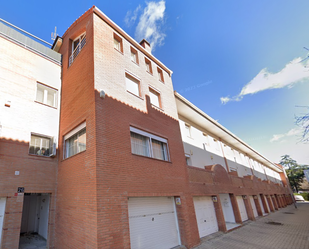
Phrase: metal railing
pixel 77 50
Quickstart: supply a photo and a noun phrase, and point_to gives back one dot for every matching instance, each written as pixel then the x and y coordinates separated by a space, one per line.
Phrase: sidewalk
pixel 266 233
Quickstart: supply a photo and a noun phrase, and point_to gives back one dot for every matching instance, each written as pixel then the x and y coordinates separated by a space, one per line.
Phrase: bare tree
pixel 303 122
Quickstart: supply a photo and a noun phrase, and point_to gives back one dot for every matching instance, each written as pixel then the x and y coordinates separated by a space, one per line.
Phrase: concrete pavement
pixel 287 228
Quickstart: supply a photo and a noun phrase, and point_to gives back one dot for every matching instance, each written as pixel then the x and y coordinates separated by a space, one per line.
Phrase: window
pixel 206 141
pixel 134 55
pixel 75 141
pixel 77 46
pixel 188 130
pixel 148 66
pixel 46 95
pixel 188 159
pixel 118 43
pixel 149 145
pixel 154 98
pixel 132 85
pixel 41 145
pixel 160 74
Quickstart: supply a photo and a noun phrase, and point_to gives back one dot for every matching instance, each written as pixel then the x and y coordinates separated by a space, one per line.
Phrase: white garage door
pixel 242 208
pixel 153 223
pixel 2 209
pixel 255 213
pixel 205 215
pixel 266 200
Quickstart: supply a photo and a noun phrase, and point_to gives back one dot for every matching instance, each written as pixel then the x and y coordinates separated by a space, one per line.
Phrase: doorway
pixel 34 223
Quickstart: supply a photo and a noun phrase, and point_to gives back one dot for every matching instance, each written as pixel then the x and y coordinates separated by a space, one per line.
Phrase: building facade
pixel 121 161
pixel 30 86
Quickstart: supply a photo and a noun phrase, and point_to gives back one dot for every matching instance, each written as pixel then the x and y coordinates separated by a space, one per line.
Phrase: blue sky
pixel 237 60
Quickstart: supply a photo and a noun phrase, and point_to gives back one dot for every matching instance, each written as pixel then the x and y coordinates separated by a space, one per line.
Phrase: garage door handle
pixel 204 220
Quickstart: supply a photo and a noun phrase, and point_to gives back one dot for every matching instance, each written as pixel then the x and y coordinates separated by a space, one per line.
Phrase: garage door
pixel 267 204
pixel 255 213
pixel 242 208
pixel 205 215
pixel 2 209
pixel 153 223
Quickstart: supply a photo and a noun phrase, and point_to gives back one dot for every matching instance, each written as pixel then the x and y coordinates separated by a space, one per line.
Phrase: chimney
pixel 146 45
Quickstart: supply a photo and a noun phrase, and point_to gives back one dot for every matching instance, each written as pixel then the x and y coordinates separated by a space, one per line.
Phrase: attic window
pixel 77 46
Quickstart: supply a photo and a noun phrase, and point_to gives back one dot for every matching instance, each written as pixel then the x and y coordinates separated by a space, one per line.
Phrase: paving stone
pixel 287 228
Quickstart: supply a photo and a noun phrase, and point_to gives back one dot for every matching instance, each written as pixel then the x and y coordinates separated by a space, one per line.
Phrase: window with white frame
pixel 134 55
pixel 75 141
pixel 132 84
pixel 77 46
pixel 154 98
pixel 46 95
pixel 149 145
pixel 40 145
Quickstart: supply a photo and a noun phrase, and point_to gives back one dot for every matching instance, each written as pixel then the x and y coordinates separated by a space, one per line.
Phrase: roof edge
pixel 130 39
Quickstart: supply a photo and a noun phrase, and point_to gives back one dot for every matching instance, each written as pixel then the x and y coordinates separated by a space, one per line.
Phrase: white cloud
pixel 131 17
pixel 292 132
pixel 150 22
pixel 293 72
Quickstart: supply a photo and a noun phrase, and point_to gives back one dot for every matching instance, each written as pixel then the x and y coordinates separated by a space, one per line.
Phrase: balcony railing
pixel 77 50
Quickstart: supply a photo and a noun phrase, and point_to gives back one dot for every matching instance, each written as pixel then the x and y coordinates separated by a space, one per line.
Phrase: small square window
pixel 118 43
pixel 160 74
pixel 46 95
pixel 148 65
pixel 41 145
pixel 134 55
pixel 132 85
pixel 154 98
pixel 75 141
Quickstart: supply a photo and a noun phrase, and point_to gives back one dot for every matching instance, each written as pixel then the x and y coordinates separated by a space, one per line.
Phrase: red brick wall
pixel 121 174
pixel 37 174
pixel 76 211
pixel 201 183
pixel 94 186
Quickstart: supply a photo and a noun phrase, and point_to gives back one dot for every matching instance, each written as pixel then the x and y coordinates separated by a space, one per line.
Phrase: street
pixel 287 228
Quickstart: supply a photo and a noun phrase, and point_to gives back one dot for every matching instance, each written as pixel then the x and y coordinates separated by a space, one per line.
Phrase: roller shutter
pixel 153 223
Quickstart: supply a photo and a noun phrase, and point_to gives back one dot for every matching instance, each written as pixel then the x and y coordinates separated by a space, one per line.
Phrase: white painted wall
pixel 272 175
pixel 203 150
pixel 18 84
